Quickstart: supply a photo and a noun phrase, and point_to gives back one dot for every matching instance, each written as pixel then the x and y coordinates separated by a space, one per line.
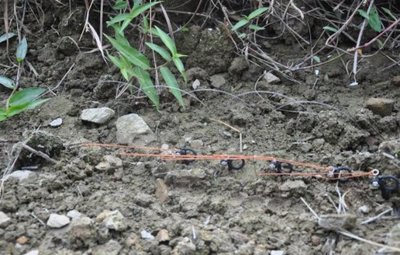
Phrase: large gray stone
pixel 112 247
pixel 97 115
pixel 132 129
pixel 380 106
pixel 113 220
pixel 4 219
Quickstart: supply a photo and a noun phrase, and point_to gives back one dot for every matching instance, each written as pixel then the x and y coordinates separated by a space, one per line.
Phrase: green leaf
pixel 388 12
pixel 120 4
pixel 331 29
pixel 118 18
pixel 136 11
pixel 3 114
pixel 6 82
pixel 123 65
pixel 163 53
pixel 167 40
pixel 22 49
pixel 11 111
pixel 181 68
pixel 130 53
pixel 240 24
pixel 374 20
pixel 317 59
pixel 147 85
pixel 25 96
pixel 6 36
pixel 363 14
pixel 257 12
pixel 255 27
pixel 171 82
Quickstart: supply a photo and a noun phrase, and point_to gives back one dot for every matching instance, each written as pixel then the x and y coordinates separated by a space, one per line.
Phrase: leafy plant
pixel 133 64
pixel 248 19
pixel 373 18
pixel 19 100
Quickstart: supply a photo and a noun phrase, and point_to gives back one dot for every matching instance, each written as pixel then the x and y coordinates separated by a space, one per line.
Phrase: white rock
pixel 364 209
pixel 4 219
pixel 112 220
pixel 217 80
pixel 74 214
pixel 270 78
pixel 146 235
pixel 32 252
pixel 276 252
pixel 97 115
pixel 56 123
pixel 196 84
pixel 19 174
pixel 132 129
pixel 109 162
pixel 57 220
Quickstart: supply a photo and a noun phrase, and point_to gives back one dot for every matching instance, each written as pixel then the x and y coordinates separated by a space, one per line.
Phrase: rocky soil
pixel 93 200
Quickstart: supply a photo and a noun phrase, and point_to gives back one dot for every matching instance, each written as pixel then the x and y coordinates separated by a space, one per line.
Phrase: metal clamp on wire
pixel 184 152
pixel 233 164
pixel 387 185
pixel 279 167
pixel 339 172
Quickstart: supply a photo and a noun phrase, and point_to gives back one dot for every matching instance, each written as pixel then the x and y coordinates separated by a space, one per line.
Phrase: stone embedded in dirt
pixel 220 239
pixel 196 144
pixel 19 175
pixel 315 240
pixel 161 190
pixel 143 199
pixel 22 240
pixel 192 176
pixel 185 246
pixel 364 209
pixel 109 163
pixel 217 81
pixel 57 220
pixel 74 214
pixel 132 129
pixel 4 219
pixel 380 106
pixel 97 115
pixel 196 84
pixel 113 220
pixel 81 231
pixel 238 65
pixel 289 185
pixel 163 236
pixel 396 81
pixel 56 122
pixel 337 221
pixel 270 78
pixel 112 247
pixel 146 235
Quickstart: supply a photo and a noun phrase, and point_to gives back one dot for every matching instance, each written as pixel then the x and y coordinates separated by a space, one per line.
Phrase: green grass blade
pixel 257 13
pixel 6 36
pixel 179 65
pixel 256 28
pixel 161 51
pixel 117 19
pixel 22 49
pixel 147 86
pixel 25 96
pixel 6 82
pixel 240 24
pixel 331 29
pixel 172 84
pixel 130 53
pixel 167 40
pixel 388 12
pixel 136 11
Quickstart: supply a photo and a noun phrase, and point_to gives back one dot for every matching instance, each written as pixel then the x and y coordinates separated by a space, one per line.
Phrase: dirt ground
pixel 138 205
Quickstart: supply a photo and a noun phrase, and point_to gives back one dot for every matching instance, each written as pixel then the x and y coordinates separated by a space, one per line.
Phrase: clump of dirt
pixel 109 203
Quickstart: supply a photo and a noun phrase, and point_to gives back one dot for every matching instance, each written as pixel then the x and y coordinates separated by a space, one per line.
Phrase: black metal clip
pixel 233 164
pixel 339 172
pixel 387 185
pixel 279 167
pixel 186 151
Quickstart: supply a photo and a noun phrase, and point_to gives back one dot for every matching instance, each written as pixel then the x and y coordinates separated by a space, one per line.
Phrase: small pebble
pixel 364 209
pixel 315 240
pixel 146 235
pixel 57 220
pixel 56 123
